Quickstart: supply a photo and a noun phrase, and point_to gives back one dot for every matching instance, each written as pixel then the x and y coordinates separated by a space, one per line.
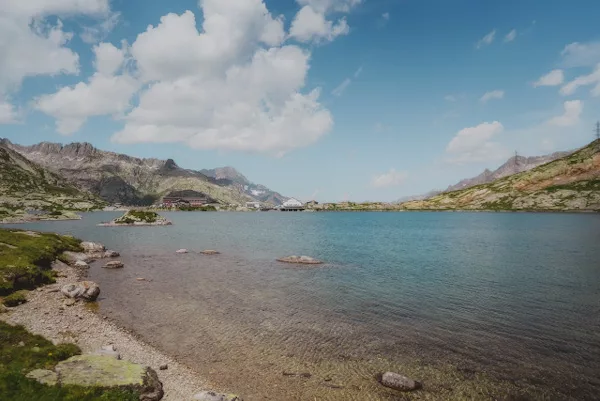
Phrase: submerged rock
pixel 210 252
pixel 86 290
pixel 305 260
pixel 107 372
pixel 212 396
pixel 398 382
pixel 115 264
pixel 182 251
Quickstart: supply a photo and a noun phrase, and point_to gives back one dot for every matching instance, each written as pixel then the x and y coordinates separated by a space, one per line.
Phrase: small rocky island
pixel 138 218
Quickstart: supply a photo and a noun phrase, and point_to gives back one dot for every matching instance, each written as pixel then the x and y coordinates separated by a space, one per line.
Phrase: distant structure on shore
pixel 186 198
pixel 292 205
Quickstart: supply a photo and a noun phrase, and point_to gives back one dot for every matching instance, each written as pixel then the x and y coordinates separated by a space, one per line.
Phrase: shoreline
pixel 45 313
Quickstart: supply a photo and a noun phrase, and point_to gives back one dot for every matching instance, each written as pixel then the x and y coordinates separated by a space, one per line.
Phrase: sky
pixel 361 100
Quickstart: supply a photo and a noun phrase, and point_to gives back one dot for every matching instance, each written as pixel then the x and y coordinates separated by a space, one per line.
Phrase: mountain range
pixel 570 182
pixel 118 178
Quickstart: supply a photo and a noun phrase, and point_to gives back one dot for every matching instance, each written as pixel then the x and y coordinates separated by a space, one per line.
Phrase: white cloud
pixel 450 98
pixel 30 46
pixel 98 32
pixel 233 85
pixel 512 35
pixel 385 16
pixel 8 114
pixel 571 115
pixel 486 40
pixel 584 80
pixel 473 144
pixel 392 178
pixel 553 78
pixel 325 6
pixel 581 54
pixel 104 93
pixel 496 94
pixel 339 90
pixel 310 25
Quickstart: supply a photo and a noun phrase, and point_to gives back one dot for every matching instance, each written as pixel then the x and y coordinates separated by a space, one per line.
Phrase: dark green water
pixel 477 305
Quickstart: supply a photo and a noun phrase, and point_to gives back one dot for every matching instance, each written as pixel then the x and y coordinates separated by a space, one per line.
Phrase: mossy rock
pixel 106 372
pixel 15 299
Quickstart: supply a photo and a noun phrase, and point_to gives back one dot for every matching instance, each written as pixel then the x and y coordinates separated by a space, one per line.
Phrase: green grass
pixel 15 299
pixel 591 185
pixel 25 260
pixel 22 352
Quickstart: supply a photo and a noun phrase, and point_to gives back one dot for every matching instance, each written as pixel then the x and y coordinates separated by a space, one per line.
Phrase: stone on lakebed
pixel 399 382
pixel 304 260
pixel 210 252
pixel 212 396
pixel 115 264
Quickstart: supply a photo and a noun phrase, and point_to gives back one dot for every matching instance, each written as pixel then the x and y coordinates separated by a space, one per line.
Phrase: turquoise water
pixel 513 296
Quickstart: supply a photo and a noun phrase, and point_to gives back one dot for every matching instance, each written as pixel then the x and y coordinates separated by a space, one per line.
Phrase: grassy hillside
pixel 27 186
pixel 568 183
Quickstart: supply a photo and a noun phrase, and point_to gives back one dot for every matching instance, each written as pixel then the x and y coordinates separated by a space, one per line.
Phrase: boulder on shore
pixel 399 382
pixel 111 254
pixel 304 260
pixel 86 290
pixel 108 372
pixel 212 396
pixel 81 264
pixel 74 257
pixel 115 264
pixel 92 247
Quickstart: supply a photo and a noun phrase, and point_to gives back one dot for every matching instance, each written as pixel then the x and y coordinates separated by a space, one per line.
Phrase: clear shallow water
pixel 441 296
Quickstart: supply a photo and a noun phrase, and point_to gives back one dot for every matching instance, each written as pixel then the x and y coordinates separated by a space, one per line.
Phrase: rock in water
pixel 212 396
pixel 182 251
pixel 111 254
pixel 304 260
pixel 210 252
pixel 74 257
pixel 92 247
pixel 86 290
pixel 115 264
pixel 107 372
pixel 81 264
pixel 398 382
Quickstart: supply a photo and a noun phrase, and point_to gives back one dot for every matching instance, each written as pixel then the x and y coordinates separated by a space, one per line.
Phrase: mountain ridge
pixel 120 178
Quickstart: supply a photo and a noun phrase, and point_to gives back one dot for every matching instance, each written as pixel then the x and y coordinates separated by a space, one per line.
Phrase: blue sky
pixel 326 99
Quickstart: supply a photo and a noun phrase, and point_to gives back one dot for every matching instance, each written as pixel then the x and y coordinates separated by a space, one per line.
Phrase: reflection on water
pixel 474 304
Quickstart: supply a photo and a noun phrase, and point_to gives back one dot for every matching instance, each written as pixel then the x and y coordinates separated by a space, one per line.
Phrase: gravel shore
pixel 47 314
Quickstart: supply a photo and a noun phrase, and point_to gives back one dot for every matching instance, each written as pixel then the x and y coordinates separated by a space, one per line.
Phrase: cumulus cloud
pixel 581 54
pixel 571 115
pixel 8 114
pixel 553 78
pixel 392 178
pixel 511 36
pixel 104 93
pixel 486 40
pixel 325 6
pixel 310 25
pixel 98 32
pixel 30 46
pixel 232 85
pixel 496 94
pixel 583 80
pixel 474 144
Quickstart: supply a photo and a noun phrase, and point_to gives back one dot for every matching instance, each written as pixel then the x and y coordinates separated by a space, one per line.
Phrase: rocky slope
pixel 119 178
pixel 24 185
pixel 230 176
pixel 514 165
pixel 568 183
